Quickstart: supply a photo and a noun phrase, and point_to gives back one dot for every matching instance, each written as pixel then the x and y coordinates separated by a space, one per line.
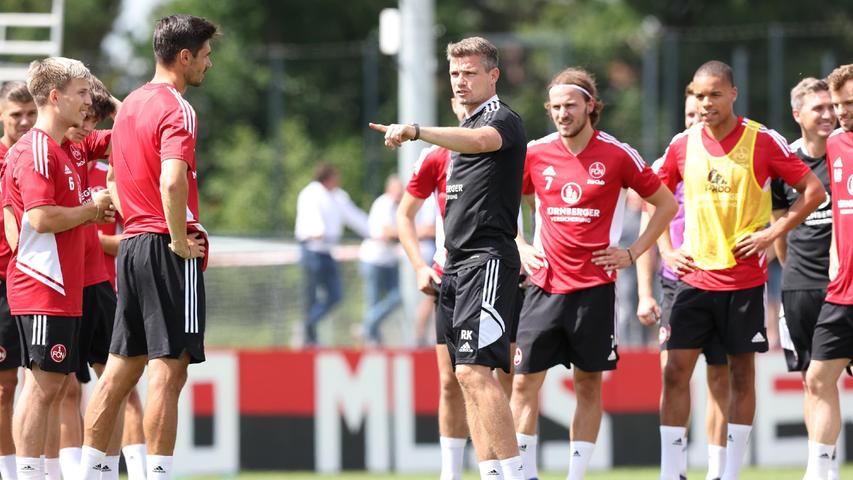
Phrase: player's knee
pixel 470 377
pixel 675 375
pixel 524 387
pixel 817 384
pixel 72 391
pixel 169 380
pixel 450 388
pixel 588 388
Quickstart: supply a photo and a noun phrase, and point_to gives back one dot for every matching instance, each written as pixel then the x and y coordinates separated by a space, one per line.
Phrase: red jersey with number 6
pixel 45 276
pixel 580 205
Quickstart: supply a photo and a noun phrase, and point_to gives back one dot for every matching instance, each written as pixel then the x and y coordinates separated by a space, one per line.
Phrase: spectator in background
pixel 322 210
pixel 379 265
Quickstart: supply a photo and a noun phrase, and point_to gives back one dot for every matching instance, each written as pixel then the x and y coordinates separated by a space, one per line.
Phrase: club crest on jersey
pixel 58 353
pixel 516 360
pixel 76 154
pixel 571 193
pixel 596 171
pixel 716 182
pixel 2 354
pixel 850 184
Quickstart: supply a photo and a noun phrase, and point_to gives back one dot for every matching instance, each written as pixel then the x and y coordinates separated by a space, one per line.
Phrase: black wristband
pixel 630 255
pixel 417 131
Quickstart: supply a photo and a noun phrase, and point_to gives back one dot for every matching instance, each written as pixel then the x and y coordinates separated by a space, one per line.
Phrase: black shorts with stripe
pixel 440 329
pixel 10 338
pixel 736 317
pixel 715 353
pixel 797 320
pixel 96 327
pixel 49 342
pixel 161 304
pixel 475 308
pixel 576 328
pixel 833 334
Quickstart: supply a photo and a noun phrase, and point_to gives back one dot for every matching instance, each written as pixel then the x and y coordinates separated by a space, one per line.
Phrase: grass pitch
pixel 615 474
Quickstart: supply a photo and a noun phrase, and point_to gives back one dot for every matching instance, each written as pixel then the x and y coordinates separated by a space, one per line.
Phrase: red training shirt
pixel 839 155
pixel 771 159
pixel 5 251
pixel 45 276
pixel 580 205
pixel 98 182
pixel 430 176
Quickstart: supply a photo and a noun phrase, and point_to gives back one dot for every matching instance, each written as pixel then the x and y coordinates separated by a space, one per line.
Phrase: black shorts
pixel 440 329
pixel 475 309
pixel 574 328
pixel 10 338
pixel 161 306
pixel 735 316
pixel 833 334
pixel 715 353
pixel 96 327
pixel 800 310
pixel 49 342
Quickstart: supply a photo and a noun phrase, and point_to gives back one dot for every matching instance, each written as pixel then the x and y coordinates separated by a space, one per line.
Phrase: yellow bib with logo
pixel 723 202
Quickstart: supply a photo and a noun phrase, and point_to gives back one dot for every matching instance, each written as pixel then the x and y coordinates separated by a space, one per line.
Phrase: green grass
pixel 615 474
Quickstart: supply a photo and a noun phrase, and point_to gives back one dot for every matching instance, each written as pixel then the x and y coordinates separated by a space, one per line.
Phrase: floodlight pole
pixel 417 66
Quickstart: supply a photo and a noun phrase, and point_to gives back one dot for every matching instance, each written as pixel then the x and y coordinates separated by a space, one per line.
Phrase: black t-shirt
pixel 484 193
pixel 807 263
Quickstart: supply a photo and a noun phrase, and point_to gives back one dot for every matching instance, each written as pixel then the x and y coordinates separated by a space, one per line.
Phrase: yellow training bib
pixel 723 202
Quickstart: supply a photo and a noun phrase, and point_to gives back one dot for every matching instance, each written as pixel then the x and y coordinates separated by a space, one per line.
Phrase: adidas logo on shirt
pixel 466 348
pixel 67 170
pixel 758 338
pixel 549 171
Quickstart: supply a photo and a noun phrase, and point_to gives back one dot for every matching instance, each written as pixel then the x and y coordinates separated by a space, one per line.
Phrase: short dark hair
pixel 102 101
pixel 716 68
pixel 325 172
pixel 688 90
pixel 15 91
pixel 177 32
pixel 470 46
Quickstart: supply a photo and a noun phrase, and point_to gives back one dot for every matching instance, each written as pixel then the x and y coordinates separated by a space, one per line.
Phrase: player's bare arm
pixel 111 187
pixel 532 259
pixel 780 245
pixel 174 190
pixel 406 211
pixel 812 195
pixel 648 310
pixel 109 243
pixel 456 139
pixel 614 258
pixel 55 219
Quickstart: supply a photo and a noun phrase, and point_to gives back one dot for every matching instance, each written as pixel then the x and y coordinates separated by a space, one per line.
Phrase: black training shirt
pixel 484 193
pixel 807 263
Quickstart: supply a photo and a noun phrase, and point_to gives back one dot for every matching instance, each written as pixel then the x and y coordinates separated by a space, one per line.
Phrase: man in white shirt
pixel 322 210
pixel 379 267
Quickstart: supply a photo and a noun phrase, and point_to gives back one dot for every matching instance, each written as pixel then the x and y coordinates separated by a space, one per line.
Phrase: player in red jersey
pixel 576 181
pixel 832 345
pixel 44 206
pixel 724 162
pixel 17 114
pixel 161 306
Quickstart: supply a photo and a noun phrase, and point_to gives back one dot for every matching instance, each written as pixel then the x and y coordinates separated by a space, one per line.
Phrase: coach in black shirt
pixel 481 274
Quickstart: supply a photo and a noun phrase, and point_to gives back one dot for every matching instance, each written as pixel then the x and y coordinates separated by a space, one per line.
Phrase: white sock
pixel 512 468
pixel 834 466
pixel 738 441
pixel 69 461
pixel 8 468
pixel 820 460
pixel 682 459
pixel 527 450
pixel 491 470
pixel 134 458
pixel 110 469
pixel 91 461
pixel 159 467
pixel 52 470
pixel 581 454
pixel 716 461
pixel 30 468
pixel 671 444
